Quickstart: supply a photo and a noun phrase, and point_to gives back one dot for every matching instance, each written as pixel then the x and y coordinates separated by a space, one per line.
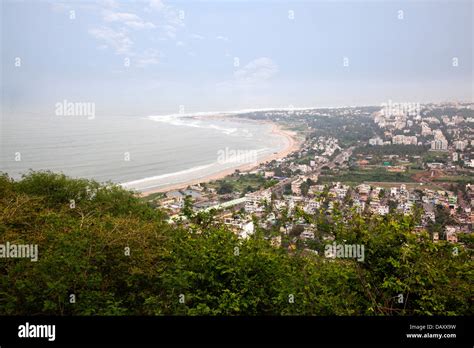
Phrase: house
pixel 254 201
pixel 306 234
pixel 296 186
pixel 382 209
pixel 451 235
pixel 247 230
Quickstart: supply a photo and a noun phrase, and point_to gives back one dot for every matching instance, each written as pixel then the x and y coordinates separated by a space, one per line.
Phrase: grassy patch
pixel 244 183
pixel 360 176
pixel 152 197
pixel 459 179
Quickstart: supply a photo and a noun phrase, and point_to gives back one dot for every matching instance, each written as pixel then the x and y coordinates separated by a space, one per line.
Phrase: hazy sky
pixel 227 55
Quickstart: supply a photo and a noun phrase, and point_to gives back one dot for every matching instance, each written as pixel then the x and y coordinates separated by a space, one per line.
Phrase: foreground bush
pixel 102 251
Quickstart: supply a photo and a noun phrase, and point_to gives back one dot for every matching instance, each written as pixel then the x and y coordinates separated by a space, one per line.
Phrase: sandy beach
pixel 292 145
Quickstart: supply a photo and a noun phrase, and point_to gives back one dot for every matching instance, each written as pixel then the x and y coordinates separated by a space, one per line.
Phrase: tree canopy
pixel 119 256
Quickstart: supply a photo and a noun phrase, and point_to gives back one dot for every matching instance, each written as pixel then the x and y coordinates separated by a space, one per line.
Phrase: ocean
pixel 142 153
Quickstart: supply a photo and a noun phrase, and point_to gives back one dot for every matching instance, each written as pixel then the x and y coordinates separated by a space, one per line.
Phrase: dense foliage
pixel 84 232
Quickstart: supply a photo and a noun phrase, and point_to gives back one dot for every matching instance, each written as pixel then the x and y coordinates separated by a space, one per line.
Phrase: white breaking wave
pixel 186 119
pixel 244 111
pixel 138 183
pixel 180 120
pixel 156 181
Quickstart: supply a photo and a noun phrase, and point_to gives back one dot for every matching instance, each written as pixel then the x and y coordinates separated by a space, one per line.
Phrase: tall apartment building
pixel 439 142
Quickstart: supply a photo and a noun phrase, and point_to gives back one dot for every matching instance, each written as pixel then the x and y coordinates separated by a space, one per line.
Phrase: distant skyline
pixel 159 57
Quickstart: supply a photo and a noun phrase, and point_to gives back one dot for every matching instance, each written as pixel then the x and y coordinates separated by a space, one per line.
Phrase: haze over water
pixel 163 150
pixel 130 57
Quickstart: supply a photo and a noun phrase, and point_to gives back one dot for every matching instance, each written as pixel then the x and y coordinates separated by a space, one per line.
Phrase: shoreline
pixel 293 144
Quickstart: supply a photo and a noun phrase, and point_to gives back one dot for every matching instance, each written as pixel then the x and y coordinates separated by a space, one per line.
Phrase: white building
pixel 247 230
pixel 254 201
pixel 376 141
pixel 404 140
pixel 439 142
pixel 425 129
pixel 296 186
pixel 451 235
pixel 460 145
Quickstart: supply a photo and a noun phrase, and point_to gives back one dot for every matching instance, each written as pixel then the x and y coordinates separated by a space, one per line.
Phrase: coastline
pixel 292 145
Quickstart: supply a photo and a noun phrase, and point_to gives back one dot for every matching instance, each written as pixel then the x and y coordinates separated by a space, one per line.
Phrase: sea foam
pixel 179 120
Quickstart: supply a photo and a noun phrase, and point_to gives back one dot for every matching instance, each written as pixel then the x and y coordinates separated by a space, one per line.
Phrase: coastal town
pixel 196 172
pixel 394 159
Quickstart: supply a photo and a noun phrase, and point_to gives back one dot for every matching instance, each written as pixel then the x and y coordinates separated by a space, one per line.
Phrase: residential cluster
pixel 289 190
pixel 436 126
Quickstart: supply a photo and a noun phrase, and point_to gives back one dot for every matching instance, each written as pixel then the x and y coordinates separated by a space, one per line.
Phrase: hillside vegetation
pixel 119 256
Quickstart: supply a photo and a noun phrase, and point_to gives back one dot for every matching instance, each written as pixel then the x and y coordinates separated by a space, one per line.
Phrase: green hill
pixel 118 256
